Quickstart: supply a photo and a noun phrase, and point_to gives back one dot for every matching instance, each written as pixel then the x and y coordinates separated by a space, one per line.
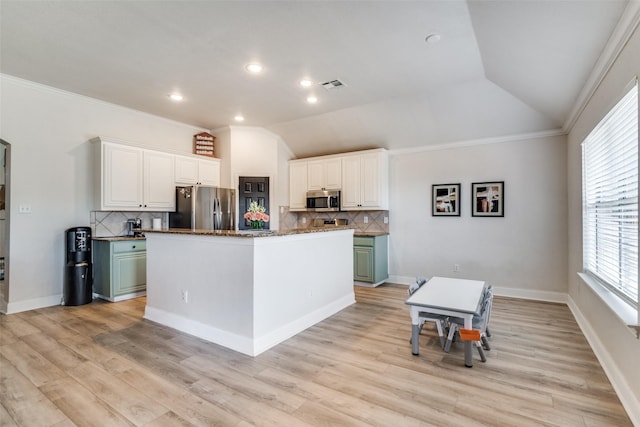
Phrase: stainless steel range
pixel 319 222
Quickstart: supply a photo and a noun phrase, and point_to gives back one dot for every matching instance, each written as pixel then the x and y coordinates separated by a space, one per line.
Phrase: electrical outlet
pixel 304 219
pixel 185 296
pixel 24 209
pixel 386 220
pixel 366 220
pixel 456 268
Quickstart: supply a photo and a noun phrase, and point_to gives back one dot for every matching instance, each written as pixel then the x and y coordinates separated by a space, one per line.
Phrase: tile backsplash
pixel 375 219
pixel 112 224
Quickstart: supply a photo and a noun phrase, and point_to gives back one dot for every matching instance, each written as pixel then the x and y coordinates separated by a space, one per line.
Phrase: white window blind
pixel 610 197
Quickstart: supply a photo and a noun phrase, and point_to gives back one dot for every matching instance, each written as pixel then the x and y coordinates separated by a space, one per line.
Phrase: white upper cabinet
pixel 362 176
pixel 297 185
pixel 365 181
pixel 191 170
pixel 186 170
pixel 325 174
pixel 121 177
pixel 133 179
pixel 159 181
pixel 209 172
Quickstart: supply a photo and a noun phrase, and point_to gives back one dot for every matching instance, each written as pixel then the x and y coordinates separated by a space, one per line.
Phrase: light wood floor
pixel 103 365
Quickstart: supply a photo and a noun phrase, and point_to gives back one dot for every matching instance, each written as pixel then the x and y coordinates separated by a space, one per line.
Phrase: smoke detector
pixel 333 84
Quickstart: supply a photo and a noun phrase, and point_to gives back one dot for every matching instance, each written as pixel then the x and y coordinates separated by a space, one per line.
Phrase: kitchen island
pixel 247 291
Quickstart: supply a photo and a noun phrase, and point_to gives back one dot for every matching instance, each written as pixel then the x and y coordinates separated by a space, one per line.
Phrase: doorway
pixel 5 159
pixel 252 189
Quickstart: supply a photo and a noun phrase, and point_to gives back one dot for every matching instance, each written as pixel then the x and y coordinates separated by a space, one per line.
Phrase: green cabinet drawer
pixel 363 241
pixel 129 246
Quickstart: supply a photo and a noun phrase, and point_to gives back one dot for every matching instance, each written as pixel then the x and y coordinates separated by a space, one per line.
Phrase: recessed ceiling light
pixel 175 97
pixel 312 99
pixel 239 118
pixel 305 83
pixel 433 38
pixel 254 68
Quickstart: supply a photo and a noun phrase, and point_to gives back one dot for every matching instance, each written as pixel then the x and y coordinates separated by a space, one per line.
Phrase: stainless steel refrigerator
pixel 204 208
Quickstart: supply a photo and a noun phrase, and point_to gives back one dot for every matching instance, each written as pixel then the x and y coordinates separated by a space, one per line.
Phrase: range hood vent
pixel 333 84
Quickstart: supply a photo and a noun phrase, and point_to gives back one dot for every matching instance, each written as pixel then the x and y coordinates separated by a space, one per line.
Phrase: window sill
pixel 626 313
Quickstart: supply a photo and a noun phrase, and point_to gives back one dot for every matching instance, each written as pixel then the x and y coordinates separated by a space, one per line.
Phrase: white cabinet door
pixel 315 175
pixel 297 185
pixel 365 181
pixel 350 182
pixel 333 174
pixel 186 170
pixel 325 174
pixel 370 184
pixel 191 171
pixel 121 177
pixel 209 172
pixel 159 181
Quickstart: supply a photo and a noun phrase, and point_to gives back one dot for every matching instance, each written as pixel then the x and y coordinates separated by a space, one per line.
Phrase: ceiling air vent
pixel 332 85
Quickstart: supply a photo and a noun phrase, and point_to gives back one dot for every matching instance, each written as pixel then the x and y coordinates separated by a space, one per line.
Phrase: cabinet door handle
pixel 133 247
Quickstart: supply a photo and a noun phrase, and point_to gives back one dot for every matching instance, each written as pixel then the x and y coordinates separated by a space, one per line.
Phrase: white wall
pixel 522 254
pixel 257 152
pixel 49 131
pixel 616 347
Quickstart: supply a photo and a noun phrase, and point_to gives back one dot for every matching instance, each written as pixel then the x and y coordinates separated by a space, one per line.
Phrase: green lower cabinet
pixel 119 269
pixel 370 259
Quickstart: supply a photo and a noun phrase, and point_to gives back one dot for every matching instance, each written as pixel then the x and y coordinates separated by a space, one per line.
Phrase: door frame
pixel 4 285
pixel 274 219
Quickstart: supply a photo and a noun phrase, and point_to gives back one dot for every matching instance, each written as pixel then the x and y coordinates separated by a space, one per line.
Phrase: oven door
pixel 318 203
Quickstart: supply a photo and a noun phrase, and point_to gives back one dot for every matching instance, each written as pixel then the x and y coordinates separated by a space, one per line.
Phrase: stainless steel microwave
pixel 323 201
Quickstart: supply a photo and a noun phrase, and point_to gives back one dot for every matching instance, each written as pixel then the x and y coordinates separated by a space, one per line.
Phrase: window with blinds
pixel 610 197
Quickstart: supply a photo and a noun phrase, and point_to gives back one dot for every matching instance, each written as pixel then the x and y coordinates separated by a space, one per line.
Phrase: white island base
pixel 243 292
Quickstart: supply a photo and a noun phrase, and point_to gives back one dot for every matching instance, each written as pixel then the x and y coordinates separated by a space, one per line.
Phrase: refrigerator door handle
pixel 216 214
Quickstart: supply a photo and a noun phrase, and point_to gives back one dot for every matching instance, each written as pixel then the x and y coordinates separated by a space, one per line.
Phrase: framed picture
pixel 487 198
pixel 445 200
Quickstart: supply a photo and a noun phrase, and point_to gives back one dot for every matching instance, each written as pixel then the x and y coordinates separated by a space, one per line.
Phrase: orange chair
pixel 480 327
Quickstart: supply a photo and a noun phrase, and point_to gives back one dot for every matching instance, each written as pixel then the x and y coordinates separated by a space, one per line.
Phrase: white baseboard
pixel 618 381
pixel 235 342
pixel 246 345
pixel 401 280
pixel 368 284
pixel 121 297
pixel 548 296
pixel 33 304
pixel 287 331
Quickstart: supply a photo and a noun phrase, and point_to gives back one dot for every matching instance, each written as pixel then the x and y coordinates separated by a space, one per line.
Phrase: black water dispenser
pixel 78 276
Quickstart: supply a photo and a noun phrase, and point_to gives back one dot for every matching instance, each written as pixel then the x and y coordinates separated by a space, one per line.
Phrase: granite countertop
pixel 118 238
pixel 246 233
pixel 370 233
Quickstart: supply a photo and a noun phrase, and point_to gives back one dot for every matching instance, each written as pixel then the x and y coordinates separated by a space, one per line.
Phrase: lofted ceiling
pixel 501 67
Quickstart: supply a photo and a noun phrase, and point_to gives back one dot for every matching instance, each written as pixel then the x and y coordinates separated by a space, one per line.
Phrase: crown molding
pixel 482 141
pixel 617 41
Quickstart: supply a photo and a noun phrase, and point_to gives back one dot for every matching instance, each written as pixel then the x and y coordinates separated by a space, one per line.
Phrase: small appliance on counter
pixel 78 278
pixel 134 227
pixel 204 208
